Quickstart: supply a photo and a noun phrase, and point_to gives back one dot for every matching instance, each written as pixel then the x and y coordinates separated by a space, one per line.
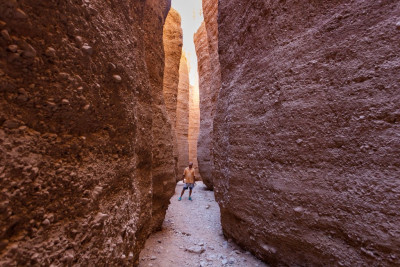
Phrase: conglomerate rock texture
pixel 182 117
pixel 209 87
pixel 85 142
pixel 194 127
pixel 173 42
pixel 307 130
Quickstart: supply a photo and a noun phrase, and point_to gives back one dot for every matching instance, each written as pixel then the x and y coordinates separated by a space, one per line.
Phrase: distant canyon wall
pixel 173 42
pixel 182 116
pixel 194 127
pixel 206 41
pixel 86 147
pixel 306 130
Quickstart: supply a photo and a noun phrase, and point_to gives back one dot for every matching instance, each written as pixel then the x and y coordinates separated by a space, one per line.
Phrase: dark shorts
pixel 186 186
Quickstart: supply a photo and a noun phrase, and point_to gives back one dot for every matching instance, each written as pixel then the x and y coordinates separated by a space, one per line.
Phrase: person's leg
pixel 183 191
pixel 190 191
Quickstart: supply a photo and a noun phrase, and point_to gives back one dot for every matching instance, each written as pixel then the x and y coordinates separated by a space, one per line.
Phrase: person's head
pixel 190 165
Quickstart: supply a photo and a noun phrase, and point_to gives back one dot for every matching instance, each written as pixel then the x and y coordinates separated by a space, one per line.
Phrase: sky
pixel 192 17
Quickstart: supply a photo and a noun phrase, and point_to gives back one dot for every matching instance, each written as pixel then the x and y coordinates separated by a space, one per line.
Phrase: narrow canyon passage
pixel 289 110
pixel 192 236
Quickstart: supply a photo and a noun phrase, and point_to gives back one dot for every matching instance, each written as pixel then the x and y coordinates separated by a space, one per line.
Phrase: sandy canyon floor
pixel 192 236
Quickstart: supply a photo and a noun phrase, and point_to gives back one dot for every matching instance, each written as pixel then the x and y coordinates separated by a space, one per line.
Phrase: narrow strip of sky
pixel 192 16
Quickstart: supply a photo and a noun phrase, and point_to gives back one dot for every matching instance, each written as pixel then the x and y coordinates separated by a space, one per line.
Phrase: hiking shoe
pixel 190 198
pixel 179 199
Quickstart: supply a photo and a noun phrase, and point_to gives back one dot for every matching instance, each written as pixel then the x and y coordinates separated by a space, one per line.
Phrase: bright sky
pixel 192 16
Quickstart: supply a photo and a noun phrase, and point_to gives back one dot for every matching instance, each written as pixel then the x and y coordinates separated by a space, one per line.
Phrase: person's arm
pixel 183 175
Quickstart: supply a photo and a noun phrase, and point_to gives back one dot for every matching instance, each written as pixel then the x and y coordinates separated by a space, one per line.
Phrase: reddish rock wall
pixel 194 127
pixel 182 117
pixel 205 132
pixel 209 87
pixel 163 162
pixel 173 42
pixel 307 130
pixel 81 87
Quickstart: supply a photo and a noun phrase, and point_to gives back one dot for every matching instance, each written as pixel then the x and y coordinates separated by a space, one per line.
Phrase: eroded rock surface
pixel 173 42
pixel 163 161
pixel 194 127
pixel 307 130
pixel 84 137
pixel 182 116
pixel 206 40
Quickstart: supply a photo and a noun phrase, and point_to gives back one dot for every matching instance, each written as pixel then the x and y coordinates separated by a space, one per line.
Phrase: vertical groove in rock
pixel 194 126
pixel 163 164
pixel 173 41
pixel 209 87
pixel 182 116
pixel 307 130
pixel 80 110
pixel 205 136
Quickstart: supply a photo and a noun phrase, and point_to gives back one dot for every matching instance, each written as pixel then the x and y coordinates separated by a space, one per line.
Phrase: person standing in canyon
pixel 189 180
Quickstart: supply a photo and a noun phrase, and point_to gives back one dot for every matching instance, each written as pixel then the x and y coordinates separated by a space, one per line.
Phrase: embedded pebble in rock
pixel 87 49
pixel 20 14
pixel 117 78
pixel 50 52
pixel 12 48
pixel 5 35
pixel 29 51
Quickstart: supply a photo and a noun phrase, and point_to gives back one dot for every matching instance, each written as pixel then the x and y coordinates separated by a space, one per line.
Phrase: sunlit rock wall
pixel 194 126
pixel 182 116
pixel 306 132
pixel 173 41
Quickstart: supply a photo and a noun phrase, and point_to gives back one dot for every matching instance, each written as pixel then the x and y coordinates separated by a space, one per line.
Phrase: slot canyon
pixel 289 111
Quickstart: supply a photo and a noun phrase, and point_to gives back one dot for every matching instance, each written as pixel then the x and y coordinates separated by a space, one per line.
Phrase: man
pixel 189 180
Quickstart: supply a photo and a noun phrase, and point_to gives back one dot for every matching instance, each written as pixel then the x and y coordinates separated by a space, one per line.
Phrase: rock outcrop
pixel 85 143
pixel 306 130
pixel 163 161
pixel 206 40
pixel 182 116
pixel 173 42
pixel 194 127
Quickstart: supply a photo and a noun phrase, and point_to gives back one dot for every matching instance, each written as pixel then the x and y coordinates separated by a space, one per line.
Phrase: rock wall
pixel 205 132
pixel 307 130
pixel 194 127
pixel 173 42
pixel 163 162
pixel 182 116
pixel 209 87
pixel 80 112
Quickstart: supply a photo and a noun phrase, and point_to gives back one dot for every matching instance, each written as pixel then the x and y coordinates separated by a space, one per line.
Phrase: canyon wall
pixel 207 50
pixel 182 117
pixel 173 42
pixel 194 127
pixel 85 144
pixel 205 133
pixel 307 133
